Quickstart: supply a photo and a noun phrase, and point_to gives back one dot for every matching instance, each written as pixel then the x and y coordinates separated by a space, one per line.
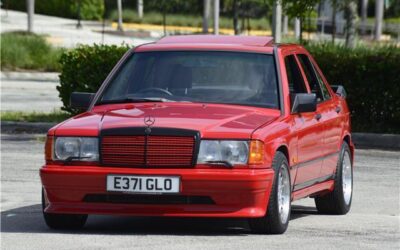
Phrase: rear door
pixel 327 110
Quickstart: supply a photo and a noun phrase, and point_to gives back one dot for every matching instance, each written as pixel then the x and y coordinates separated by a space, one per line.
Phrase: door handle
pixel 338 109
pixel 318 117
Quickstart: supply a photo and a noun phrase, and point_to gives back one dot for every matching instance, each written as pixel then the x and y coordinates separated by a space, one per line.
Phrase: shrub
pixel 90 9
pixel 22 50
pixel 371 77
pixel 85 68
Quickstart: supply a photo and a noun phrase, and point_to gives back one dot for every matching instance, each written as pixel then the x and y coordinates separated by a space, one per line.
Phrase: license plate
pixel 143 184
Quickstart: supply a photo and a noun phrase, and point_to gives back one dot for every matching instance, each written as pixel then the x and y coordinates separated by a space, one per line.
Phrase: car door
pixel 327 110
pixel 309 130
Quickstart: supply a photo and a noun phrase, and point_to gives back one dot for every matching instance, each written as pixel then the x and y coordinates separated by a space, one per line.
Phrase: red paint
pixel 238 192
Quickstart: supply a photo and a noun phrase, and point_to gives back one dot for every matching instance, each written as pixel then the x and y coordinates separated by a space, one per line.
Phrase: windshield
pixel 195 76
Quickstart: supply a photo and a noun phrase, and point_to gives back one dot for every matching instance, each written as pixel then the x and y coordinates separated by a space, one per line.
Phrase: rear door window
pixel 294 76
pixel 314 79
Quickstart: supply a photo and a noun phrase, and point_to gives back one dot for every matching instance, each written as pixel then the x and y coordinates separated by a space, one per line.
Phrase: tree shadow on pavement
pixel 29 219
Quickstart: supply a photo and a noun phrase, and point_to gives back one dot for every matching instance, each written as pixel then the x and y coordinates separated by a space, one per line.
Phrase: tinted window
pixel 294 77
pixel 197 76
pixel 315 81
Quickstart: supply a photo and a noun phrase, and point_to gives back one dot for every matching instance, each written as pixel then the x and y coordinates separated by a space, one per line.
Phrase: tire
pixel 276 219
pixel 63 221
pixel 339 200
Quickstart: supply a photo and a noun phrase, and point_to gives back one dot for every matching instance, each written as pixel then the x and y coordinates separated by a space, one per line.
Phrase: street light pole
pixel 30 5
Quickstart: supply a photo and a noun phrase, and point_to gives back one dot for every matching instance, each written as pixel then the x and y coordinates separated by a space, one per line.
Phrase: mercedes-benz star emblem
pixel 149 120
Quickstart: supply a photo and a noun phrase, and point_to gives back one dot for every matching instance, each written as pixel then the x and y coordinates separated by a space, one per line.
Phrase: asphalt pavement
pixel 29 95
pixel 373 222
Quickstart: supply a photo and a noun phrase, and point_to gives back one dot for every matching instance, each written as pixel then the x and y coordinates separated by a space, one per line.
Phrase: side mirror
pixel 81 100
pixel 302 103
pixel 339 90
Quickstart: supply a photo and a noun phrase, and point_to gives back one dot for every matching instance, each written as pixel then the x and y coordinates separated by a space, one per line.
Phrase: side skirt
pixel 302 190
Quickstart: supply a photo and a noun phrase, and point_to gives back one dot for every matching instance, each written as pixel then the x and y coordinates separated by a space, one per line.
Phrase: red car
pixel 203 126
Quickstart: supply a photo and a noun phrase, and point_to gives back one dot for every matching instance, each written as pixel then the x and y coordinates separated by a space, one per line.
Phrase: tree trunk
pixel 119 5
pixel 334 9
pixel 236 17
pixel 206 15
pixel 297 28
pixel 30 9
pixel 140 8
pixel 379 4
pixel 285 25
pixel 277 21
pixel 350 13
pixel 364 9
pixel 216 17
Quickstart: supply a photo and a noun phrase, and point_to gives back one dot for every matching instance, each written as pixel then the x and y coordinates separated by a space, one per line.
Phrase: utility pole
pixel 379 4
pixel 364 9
pixel 277 21
pixel 206 15
pixel 216 17
pixel 30 7
pixel 119 6
pixel 140 8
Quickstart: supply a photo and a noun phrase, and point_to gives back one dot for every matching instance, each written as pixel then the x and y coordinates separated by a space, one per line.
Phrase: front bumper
pixel 235 192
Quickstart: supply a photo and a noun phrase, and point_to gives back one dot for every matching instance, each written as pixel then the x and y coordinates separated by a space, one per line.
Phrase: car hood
pixel 211 120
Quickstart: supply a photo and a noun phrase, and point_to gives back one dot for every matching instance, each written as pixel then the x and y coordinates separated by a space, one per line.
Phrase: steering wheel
pixel 164 91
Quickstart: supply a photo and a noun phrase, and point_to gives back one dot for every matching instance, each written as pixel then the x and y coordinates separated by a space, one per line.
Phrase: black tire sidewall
pixel 338 192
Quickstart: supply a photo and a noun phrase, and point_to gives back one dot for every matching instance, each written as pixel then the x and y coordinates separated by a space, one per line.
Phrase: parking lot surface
pixel 373 222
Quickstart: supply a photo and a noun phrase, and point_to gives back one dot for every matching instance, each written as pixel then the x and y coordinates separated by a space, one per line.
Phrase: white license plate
pixel 143 184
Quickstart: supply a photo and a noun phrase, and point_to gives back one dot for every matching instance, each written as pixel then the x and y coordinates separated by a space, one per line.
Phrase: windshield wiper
pixel 134 100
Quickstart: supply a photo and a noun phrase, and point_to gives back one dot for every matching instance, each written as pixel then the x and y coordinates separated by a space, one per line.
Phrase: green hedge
pixel 85 68
pixel 371 78
pixel 90 9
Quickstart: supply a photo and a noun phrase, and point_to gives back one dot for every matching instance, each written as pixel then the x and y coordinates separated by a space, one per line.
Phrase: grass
pixel 19 116
pixel 27 51
pixel 131 16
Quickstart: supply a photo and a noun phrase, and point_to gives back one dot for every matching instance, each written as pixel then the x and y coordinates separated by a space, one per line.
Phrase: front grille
pixel 147 199
pixel 147 150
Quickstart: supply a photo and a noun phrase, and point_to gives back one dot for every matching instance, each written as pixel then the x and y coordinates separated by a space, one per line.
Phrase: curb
pixel 30 76
pixel 372 140
pixel 25 127
pixel 361 140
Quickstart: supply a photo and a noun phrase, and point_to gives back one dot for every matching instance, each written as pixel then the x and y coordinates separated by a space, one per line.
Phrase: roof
pixel 217 39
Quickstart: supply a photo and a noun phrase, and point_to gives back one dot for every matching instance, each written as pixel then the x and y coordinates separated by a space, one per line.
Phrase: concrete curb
pixel 25 127
pixel 371 140
pixel 361 140
pixel 30 76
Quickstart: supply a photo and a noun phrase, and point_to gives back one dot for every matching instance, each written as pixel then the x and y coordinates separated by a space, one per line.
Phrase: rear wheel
pixel 339 200
pixel 62 221
pixel 277 218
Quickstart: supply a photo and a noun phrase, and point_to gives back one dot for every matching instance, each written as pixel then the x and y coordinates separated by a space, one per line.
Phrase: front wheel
pixel 339 200
pixel 62 221
pixel 277 218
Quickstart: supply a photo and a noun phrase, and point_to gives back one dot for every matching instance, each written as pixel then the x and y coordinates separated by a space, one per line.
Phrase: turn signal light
pixel 48 149
pixel 256 153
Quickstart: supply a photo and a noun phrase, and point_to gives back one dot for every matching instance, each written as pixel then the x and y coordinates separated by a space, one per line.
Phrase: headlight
pixel 76 148
pixel 224 151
